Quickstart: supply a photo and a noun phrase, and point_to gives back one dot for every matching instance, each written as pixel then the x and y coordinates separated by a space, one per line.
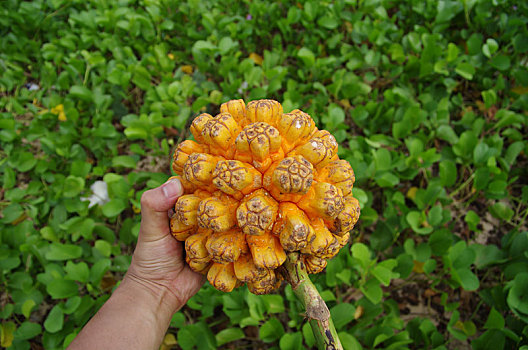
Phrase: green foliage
pixel 427 99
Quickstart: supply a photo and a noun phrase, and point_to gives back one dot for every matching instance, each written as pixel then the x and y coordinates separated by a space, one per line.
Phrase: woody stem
pixel 316 309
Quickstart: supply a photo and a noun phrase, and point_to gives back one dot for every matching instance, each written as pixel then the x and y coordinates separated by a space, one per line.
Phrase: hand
pixel 158 263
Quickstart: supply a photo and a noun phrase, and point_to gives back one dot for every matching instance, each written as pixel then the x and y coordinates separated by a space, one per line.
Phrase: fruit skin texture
pixel 258 184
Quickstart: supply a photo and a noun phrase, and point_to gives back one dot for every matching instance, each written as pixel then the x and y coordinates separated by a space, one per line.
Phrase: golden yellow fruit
pixel 256 213
pixel 258 184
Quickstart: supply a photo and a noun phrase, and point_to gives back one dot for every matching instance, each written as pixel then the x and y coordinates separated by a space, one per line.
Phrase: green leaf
pixel 434 217
pixel 226 44
pixel 495 320
pixel 72 304
pixel 141 77
pixel 82 93
pixel 77 272
pixel 517 296
pixel 361 252
pixel 372 291
pixel 7 331
pixel 501 211
pixel 136 132
pixel 342 314
pixel 465 70
pixel 308 335
pixel 103 247
pixel 501 62
pixel 27 307
pixel 55 320
pixel 27 330
pixel 513 151
pixel 9 178
pixel 445 132
pixel 273 303
pixel 490 47
pixel 417 221
pixel 448 173
pixel 73 185
pixel 487 255
pixel 98 270
pixel 114 207
pixel 124 161
pixel 481 153
pixel 328 22
pixel 59 251
pixel 25 162
pixel 271 330
pixel 349 342
pixel 61 288
pixel 382 274
pixel 472 219
pixel 306 56
pixel 291 341
pixel 228 335
pixel 492 337
pixel 446 10
pixel 387 179
pixel 467 279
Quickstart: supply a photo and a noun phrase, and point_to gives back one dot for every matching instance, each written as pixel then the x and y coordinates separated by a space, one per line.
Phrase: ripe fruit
pixel 260 183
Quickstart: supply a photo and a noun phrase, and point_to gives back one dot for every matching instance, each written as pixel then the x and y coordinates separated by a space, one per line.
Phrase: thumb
pixel 155 204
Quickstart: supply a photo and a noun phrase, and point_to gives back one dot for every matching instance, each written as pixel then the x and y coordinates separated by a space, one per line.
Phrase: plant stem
pixel 316 309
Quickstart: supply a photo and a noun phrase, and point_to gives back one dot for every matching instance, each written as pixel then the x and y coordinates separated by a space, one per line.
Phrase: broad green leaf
pixel 59 251
pixel 60 288
pixel 73 185
pixel 308 335
pixel 306 56
pixel 501 211
pixel 82 93
pixel 467 279
pixel 114 207
pixel 361 252
pixel 27 307
pixel 342 314
pixel 517 296
pixel 271 330
pixel 124 161
pixel 372 291
pixel 273 303
pixel 27 330
pixel 495 320
pixel 448 173
pixel 291 341
pixel 7 334
pixel 103 247
pixel 472 219
pixel 25 161
pixel 490 47
pixel 55 320
pixel 349 342
pixel 77 272
pixel 501 62
pixel 228 335
pixel 465 70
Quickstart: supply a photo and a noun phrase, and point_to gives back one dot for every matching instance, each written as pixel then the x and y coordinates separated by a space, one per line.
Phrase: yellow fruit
pixel 259 183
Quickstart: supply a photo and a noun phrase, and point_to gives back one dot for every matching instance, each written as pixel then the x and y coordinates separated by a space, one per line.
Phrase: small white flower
pixel 99 194
pixel 243 87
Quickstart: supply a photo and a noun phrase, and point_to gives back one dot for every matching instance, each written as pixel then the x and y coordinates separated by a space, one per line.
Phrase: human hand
pixel 158 263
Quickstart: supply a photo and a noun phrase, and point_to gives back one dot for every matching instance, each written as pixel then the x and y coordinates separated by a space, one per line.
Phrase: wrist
pixel 155 296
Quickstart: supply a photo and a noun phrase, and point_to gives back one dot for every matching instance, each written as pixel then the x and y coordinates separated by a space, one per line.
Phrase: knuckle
pixel 147 199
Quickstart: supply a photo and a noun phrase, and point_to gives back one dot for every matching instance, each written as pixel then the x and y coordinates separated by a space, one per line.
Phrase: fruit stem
pixel 316 309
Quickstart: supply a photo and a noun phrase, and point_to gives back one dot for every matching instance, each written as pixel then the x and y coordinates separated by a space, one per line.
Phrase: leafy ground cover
pixel 428 100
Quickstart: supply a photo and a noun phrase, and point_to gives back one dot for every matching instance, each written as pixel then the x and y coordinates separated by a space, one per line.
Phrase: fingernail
pixel 172 188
